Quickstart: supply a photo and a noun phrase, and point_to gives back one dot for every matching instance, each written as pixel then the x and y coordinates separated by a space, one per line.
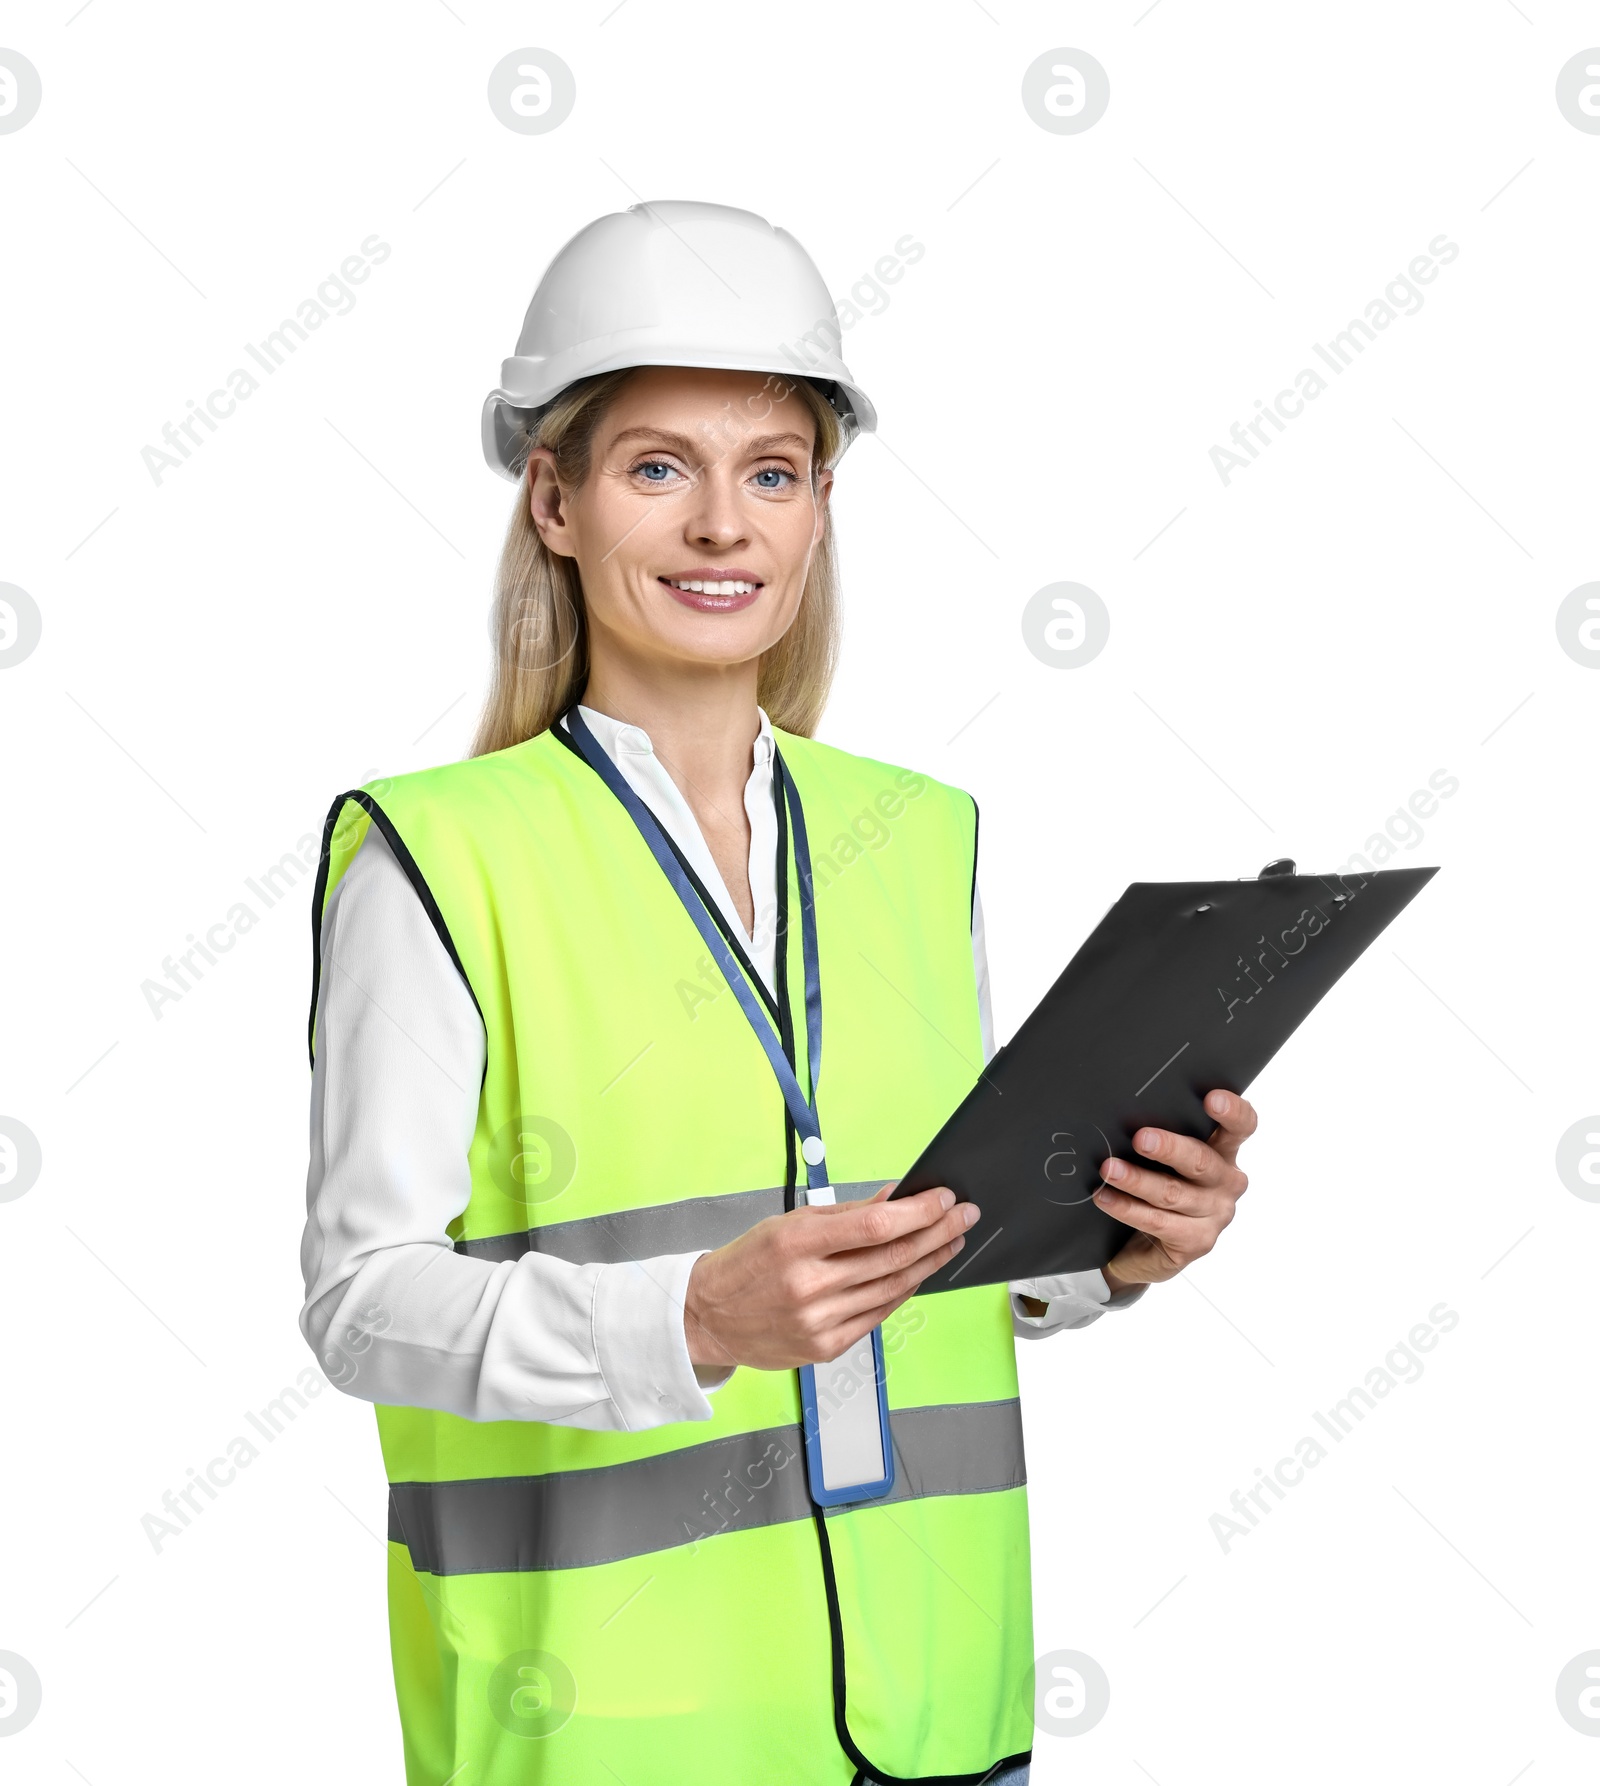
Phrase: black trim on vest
pixel 867 1771
pixel 780 973
pixel 729 936
pixel 419 885
pixel 758 985
pixel 972 902
pixel 778 1006
pixel 564 738
pixel 840 1724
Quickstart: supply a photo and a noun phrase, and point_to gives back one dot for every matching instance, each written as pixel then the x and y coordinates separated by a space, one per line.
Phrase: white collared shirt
pixel 394 1102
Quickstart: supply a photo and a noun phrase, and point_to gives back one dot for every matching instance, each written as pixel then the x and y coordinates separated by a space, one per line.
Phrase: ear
pixel 546 504
pixel 824 491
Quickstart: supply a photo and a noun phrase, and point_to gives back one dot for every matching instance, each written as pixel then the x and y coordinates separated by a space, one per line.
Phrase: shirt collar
pixel 620 736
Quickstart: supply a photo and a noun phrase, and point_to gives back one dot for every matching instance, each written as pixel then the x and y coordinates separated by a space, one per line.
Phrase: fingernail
pixel 971 1213
pixel 1113 1169
pixel 958 1243
pixel 947 1199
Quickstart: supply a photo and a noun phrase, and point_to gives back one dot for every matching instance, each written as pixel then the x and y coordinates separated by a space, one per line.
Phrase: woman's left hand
pixel 1179 1218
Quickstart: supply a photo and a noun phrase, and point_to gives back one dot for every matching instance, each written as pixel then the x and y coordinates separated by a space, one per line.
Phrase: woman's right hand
pixel 803 1287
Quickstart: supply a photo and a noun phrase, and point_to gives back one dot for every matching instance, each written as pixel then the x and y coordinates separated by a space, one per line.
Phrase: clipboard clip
pixel 1276 869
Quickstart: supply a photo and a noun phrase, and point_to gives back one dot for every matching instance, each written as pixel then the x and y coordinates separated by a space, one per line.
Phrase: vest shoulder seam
pixel 856 759
pixel 440 776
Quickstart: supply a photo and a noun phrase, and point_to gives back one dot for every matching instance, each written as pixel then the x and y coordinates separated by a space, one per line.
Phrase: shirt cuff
pixel 1075 1298
pixel 640 1344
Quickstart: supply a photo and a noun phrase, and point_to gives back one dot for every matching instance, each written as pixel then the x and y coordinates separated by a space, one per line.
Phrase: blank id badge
pixel 845 1416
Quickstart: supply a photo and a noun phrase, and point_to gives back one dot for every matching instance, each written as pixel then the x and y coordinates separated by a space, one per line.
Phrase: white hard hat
pixel 675 283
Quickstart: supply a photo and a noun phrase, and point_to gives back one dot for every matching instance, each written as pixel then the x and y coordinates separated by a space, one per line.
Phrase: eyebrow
pixel 757 443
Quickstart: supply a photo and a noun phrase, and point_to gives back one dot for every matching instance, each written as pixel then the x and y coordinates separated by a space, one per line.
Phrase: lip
pixel 713 604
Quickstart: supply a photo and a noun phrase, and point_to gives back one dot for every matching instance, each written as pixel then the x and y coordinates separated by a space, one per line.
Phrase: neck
pixel 701 720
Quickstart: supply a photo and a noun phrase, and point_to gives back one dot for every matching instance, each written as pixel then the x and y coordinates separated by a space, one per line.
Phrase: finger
pixel 840 1339
pixel 869 1275
pixel 1165 1225
pixel 847 1227
pixel 852 1300
pixel 1236 1121
pixel 1196 1160
pixel 861 1265
pixel 1160 1191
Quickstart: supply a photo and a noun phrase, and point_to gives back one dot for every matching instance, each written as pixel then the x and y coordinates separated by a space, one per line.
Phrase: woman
pixel 557 1227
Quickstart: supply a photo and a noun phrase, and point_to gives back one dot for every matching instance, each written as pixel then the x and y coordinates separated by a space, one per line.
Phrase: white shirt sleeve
pixel 1075 1298
pixel 393 1312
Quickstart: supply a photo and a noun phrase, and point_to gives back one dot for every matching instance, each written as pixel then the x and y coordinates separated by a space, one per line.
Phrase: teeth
pixel 699 587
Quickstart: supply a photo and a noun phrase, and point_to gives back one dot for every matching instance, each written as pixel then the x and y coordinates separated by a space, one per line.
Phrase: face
pixel 697 477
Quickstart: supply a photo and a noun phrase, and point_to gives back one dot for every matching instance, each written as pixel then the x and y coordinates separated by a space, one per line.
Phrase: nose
pixel 717 517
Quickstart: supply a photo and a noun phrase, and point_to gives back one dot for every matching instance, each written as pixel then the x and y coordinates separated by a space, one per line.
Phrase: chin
pixel 716 638
pixel 712 644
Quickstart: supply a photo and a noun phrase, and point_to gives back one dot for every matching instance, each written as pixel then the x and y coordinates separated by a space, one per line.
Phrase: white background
pixel 302 605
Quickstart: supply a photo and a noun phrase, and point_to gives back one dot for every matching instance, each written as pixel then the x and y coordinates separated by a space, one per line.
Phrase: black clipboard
pixel 1183 987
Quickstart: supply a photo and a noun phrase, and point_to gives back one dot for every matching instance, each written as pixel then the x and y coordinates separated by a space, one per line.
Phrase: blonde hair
pixel 541 637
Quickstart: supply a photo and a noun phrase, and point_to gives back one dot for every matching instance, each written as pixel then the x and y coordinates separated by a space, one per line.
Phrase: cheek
pixel 619 551
pixel 791 546
pixel 800 525
pixel 772 619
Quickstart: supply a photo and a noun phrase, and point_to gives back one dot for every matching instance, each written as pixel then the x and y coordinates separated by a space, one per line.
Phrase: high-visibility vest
pixel 668 1605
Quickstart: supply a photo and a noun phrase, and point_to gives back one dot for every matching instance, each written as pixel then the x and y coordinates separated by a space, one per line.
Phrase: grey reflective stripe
pixel 647 1233
pixel 576 1518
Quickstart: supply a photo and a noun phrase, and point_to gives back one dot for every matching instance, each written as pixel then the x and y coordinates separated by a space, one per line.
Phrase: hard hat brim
pixel 511 412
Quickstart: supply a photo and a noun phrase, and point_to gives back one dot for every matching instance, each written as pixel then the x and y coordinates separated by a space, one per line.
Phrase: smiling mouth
pixel 710 586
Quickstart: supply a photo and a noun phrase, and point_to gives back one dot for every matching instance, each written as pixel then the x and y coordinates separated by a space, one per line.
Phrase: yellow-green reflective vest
pixel 668 1605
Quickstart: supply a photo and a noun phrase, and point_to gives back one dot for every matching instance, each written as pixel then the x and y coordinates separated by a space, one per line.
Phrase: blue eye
pixel 772 474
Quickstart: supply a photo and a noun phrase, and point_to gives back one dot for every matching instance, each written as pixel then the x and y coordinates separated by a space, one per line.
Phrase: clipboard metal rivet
pixel 1205 907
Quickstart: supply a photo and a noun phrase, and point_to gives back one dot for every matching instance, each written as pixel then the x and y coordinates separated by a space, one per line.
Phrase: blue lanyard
pixel 802 1108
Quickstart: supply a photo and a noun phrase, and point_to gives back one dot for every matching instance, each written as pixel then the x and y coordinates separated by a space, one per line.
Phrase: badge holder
pixel 845 1418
